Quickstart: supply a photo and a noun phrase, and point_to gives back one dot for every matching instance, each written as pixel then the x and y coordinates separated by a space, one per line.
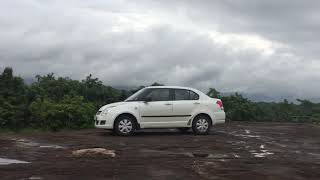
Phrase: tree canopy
pixel 55 103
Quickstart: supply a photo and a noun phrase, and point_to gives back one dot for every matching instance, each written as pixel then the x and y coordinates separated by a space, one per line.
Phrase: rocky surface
pixel 231 151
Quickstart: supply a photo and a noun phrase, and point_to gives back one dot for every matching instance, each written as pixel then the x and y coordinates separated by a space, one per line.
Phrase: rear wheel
pixel 124 125
pixel 201 125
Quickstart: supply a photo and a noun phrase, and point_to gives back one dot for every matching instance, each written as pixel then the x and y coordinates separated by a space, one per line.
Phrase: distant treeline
pixel 55 103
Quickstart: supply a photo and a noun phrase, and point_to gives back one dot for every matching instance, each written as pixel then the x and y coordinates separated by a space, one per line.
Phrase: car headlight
pixel 105 112
pixel 98 113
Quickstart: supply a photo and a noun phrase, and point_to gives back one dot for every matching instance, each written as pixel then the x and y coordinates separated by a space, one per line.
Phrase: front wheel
pixel 201 125
pixel 124 126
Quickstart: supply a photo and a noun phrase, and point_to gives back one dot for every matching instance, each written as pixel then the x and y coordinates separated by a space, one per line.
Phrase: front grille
pixel 102 122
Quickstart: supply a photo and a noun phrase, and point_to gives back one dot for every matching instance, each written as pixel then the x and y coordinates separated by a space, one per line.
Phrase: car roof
pixel 172 87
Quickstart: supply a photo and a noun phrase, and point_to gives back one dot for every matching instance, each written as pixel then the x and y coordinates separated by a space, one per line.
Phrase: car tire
pixel 184 129
pixel 125 125
pixel 201 125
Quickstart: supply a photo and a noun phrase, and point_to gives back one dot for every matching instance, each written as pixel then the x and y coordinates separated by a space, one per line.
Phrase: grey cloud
pixel 192 43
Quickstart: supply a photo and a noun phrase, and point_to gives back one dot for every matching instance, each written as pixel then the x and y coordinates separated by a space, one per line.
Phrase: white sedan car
pixel 162 107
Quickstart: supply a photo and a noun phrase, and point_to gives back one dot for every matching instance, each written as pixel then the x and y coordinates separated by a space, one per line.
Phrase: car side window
pixel 181 94
pixel 159 95
pixel 193 96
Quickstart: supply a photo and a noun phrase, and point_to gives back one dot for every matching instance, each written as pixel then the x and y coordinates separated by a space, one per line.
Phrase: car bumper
pixel 103 121
pixel 219 117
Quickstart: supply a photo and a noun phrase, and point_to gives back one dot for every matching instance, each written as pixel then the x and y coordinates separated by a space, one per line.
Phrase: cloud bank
pixel 263 47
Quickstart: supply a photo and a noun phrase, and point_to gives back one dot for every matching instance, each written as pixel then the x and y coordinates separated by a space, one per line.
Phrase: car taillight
pixel 220 104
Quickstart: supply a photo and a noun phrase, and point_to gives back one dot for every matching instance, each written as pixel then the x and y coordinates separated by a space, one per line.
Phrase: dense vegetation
pixel 55 103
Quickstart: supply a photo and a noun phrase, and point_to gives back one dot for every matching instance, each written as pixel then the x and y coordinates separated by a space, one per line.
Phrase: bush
pixel 71 112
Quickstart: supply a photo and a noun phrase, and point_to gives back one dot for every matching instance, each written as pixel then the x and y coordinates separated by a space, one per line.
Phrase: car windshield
pixel 138 96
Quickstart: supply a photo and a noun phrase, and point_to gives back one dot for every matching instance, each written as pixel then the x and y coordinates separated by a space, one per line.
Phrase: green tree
pixel 238 108
pixel 213 93
pixel 306 107
pixel 70 112
pixel 12 100
pixel 94 91
pixel 156 84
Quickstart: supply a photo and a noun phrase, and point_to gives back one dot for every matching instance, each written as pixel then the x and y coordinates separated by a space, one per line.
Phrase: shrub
pixel 71 112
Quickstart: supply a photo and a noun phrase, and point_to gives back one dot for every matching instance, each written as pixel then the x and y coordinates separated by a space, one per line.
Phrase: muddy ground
pixel 231 151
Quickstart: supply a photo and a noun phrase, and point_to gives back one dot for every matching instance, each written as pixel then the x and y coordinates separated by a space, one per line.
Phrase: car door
pixel 184 104
pixel 157 111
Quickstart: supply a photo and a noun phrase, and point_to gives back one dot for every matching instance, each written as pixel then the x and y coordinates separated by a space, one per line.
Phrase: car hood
pixel 115 105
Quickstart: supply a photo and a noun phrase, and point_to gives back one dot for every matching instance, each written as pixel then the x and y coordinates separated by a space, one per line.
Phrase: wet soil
pixel 284 151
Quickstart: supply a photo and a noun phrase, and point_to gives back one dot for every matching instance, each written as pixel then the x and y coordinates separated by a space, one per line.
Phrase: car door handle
pixel 196 103
pixel 168 104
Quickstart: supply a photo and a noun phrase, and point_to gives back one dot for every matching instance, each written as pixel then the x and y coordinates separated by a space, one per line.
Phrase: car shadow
pixel 155 132
pixel 161 132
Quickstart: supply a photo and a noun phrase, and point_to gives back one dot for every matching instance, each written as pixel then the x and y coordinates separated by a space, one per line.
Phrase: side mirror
pixel 147 99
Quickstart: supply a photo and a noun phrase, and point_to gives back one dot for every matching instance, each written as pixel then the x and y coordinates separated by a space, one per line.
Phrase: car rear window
pixel 183 94
pixel 193 96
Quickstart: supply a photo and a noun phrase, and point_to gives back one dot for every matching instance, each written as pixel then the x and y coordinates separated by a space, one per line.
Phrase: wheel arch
pixel 201 114
pixel 127 114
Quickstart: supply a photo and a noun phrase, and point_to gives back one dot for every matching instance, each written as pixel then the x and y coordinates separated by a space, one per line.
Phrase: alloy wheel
pixel 202 125
pixel 125 126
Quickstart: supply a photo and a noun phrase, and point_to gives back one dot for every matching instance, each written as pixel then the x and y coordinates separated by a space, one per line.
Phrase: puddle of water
pixel 5 161
pixel 29 143
pixel 223 160
pixel 236 155
pixel 247 136
pixel 51 146
pixel 24 142
pixel 262 154
pixel 237 142
pixel 202 155
pixel 217 156
pixel 35 177
pixel 277 144
pixel 189 154
pixel 315 154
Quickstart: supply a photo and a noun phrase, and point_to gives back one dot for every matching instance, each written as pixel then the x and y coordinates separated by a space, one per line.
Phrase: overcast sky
pixel 268 47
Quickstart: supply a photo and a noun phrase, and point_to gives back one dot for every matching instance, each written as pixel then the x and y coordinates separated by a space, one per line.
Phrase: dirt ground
pixel 231 151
